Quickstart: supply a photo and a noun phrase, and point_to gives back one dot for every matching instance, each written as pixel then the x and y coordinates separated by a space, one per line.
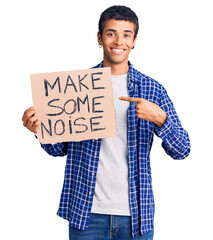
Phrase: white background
pixel 174 47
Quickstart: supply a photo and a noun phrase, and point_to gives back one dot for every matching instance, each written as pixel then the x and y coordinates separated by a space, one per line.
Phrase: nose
pixel 118 40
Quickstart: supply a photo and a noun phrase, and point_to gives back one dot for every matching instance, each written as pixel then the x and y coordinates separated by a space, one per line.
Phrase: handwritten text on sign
pixel 74 105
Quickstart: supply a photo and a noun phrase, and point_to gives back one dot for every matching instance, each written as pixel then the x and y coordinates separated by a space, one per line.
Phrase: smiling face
pixel 117 40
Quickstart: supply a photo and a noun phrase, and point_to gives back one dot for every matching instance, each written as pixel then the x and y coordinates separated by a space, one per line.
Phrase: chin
pixel 117 60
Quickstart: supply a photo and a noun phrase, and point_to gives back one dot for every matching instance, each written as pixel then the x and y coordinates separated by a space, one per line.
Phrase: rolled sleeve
pixel 175 139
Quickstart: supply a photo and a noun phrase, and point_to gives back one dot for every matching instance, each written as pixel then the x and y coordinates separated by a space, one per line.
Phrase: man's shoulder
pixel 98 65
pixel 142 78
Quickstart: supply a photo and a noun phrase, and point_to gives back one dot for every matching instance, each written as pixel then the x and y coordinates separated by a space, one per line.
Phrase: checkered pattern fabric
pixel 82 159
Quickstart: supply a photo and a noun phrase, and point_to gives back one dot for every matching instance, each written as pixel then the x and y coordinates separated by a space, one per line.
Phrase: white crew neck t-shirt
pixel 112 187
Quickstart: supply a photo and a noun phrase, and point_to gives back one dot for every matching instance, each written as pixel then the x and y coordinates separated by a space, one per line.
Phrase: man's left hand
pixel 148 111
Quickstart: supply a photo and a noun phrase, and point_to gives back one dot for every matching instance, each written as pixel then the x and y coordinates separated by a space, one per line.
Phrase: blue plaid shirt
pixel 82 159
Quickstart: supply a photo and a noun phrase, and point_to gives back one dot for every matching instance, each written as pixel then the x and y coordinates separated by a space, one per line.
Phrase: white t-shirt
pixel 112 187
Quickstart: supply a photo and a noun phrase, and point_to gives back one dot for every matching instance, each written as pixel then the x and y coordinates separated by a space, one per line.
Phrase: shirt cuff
pixel 165 129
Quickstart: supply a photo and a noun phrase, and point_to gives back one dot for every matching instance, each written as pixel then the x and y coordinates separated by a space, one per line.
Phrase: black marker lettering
pixel 73 108
pixel 49 131
pixel 83 102
pixel 96 103
pixel 80 82
pixel 50 105
pixel 76 124
pixel 95 123
pixel 69 79
pixel 70 125
pixel 96 79
pixel 63 127
pixel 46 84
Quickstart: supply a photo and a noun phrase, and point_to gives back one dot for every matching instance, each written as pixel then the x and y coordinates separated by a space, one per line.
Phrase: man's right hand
pixel 30 120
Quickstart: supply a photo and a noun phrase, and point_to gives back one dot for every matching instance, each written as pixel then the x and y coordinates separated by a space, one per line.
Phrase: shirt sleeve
pixel 175 139
pixel 56 150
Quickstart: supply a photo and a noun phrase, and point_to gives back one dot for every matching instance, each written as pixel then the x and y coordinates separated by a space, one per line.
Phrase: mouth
pixel 117 50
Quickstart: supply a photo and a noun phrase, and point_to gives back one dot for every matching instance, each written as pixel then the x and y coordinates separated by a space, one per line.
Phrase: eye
pixel 111 34
pixel 126 35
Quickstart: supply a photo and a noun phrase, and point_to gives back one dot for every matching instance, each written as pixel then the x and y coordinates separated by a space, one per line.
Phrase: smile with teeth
pixel 116 50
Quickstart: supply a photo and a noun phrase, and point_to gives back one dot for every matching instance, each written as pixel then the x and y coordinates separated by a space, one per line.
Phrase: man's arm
pixel 175 138
pixel 31 122
pixel 56 150
pixel 176 141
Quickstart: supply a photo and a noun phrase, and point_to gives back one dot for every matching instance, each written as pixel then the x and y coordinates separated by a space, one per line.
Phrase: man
pixel 107 192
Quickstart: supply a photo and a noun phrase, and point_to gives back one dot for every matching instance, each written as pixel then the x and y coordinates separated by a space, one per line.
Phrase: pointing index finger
pixel 130 99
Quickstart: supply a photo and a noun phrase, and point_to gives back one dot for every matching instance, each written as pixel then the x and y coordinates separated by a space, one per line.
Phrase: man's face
pixel 117 40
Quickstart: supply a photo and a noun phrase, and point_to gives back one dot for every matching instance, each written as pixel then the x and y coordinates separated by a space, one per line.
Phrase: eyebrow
pixel 113 30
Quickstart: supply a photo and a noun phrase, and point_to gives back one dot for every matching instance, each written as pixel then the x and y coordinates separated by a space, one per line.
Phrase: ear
pixel 134 42
pixel 99 39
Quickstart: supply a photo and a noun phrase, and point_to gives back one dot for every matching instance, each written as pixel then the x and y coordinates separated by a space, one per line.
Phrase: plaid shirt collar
pixel 133 73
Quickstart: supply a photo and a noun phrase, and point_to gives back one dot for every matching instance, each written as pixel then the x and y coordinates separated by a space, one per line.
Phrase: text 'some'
pixel 74 105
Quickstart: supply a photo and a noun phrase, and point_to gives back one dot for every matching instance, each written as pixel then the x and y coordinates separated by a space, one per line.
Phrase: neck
pixel 117 68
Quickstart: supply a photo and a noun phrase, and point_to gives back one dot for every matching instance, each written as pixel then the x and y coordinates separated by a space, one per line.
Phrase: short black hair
pixel 118 12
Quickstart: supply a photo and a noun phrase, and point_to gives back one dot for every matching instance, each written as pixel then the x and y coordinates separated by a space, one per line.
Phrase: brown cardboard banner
pixel 74 105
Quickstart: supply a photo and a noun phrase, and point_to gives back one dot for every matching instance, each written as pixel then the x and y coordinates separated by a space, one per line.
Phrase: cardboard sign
pixel 74 105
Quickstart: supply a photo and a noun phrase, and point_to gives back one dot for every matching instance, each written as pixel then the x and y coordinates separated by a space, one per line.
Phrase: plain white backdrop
pixel 174 47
